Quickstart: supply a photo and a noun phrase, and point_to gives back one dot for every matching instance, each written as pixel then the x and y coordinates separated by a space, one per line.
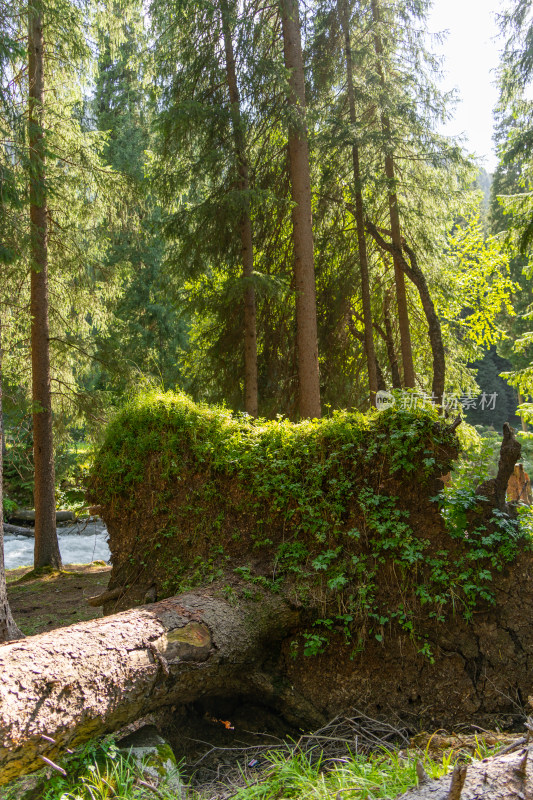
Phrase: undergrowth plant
pixel 382 774
pixel 72 461
pixel 328 503
pixel 478 459
pixel 99 771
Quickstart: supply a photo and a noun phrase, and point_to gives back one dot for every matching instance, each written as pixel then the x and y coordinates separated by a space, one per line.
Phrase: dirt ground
pixel 48 601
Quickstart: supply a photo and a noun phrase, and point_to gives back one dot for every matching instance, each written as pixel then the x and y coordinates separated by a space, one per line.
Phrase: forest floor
pixel 55 599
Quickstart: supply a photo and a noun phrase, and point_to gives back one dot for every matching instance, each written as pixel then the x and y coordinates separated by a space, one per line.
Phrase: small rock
pixel 154 756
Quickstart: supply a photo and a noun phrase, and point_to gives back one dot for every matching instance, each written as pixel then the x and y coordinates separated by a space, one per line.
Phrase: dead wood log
pixel 519 486
pixel 495 489
pixel 18 530
pixel 106 597
pixel 502 777
pixel 64 687
pixel 457 782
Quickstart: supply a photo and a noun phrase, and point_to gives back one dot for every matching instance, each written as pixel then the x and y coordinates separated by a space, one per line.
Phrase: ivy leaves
pixel 340 508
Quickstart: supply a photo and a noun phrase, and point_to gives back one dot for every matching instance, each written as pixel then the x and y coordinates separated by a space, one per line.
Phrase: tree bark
pixel 381 383
pixel 304 264
pixel 413 271
pixel 245 222
pixel 495 489
pixel 389 342
pixel 8 627
pixel 502 777
pixel 522 418
pixel 75 683
pixel 46 544
pixel 394 213
pixel 342 7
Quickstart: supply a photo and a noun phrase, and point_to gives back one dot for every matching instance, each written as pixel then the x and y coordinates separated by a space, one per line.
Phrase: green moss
pixel 339 510
pixel 160 760
pixel 305 469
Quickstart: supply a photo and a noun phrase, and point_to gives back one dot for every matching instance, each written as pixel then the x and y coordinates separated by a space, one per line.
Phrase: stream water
pixel 79 543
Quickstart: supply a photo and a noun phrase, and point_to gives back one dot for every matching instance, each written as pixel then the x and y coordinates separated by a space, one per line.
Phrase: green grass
pixel 383 775
pixel 101 772
pixel 380 775
pixel 97 772
pixel 46 599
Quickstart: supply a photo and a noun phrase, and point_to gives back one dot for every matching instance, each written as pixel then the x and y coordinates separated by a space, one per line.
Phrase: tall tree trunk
pixel 394 213
pixel 46 544
pixel 412 270
pixel 380 378
pixel 8 628
pixel 389 342
pixel 342 6
pixel 245 222
pixel 304 264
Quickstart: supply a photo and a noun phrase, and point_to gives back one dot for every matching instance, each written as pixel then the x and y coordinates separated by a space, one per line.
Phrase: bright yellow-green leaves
pixel 481 288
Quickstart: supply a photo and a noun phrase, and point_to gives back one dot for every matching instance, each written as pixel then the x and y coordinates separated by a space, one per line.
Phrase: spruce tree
pixel 203 129
pixel 304 264
pixel 511 206
pixel 394 210
pixel 61 189
pixel 245 221
pixel 9 201
pixel 144 334
pixel 344 16
pixel 46 542
pixel 425 188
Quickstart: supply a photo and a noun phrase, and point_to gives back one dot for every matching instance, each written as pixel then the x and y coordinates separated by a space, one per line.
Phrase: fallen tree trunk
pixel 501 777
pixel 18 530
pixel 106 597
pixel 356 560
pixel 27 515
pixel 64 687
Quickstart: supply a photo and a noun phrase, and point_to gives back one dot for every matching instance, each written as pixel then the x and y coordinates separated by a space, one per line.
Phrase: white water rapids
pixel 79 543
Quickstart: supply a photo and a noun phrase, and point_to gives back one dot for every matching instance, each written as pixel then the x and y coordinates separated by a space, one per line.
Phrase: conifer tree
pixel 202 124
pixel 53 243
pixel 511 206
pixel 46 543
pixel 422 186
pixel 304 267
pixel 394 212
pixel 344 17
pixel 8 196
pixel 245 222
pixel 144 334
